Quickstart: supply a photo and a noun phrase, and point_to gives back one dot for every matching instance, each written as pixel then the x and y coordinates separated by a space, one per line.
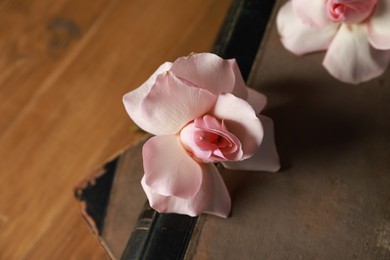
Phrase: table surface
pixel 64 66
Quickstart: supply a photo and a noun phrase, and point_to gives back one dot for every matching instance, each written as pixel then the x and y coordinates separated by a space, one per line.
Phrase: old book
pixel 331 199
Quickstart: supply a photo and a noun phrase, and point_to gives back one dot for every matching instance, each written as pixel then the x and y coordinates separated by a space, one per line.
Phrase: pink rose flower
pixel 201 112
pixel 355 33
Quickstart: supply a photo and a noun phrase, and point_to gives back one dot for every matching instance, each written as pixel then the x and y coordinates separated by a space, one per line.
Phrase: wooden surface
pixel 64 66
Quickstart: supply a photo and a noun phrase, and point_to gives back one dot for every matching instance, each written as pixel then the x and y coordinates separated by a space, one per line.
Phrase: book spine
pixel 137 244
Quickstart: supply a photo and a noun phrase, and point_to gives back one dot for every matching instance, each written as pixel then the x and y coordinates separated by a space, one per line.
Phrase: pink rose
pixel 355 33
pixel 201 112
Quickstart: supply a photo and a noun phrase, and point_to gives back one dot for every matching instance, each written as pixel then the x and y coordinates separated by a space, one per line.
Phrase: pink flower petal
pixel 209 71
pixel 351 59
pixel 311 12
pixel 241 120
pixel 133 99
pixel 188 141
pixel 171 104
pixel 300 38
pixel 266 158
pixel 240 88
pixel 169 169
pixel 212 198
pixel 209 122
pixel 379 26
pixel 256 100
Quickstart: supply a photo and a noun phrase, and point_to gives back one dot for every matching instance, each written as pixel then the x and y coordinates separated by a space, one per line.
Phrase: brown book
pixel 331 199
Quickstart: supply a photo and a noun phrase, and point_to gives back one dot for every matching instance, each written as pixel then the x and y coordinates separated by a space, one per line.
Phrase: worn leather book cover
pixel 330 200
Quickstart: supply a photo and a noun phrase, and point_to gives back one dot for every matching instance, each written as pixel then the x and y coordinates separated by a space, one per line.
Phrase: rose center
pixel 349 11
pixel 209 140
pixel 338 9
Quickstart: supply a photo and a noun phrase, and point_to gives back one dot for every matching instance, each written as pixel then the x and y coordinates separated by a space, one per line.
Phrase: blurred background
pixel 64 67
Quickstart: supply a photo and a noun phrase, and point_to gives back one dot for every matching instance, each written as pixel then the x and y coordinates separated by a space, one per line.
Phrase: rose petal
pixel 379 26
pixel 169 170
pixel 171 104
pixel 300 38
pixel 188 141
pixel 312 12
pixel 207 71
pixel 241 120
pixel 212 198
pixel 209 122
pixel 132 100
pixel 240 88
pixel 351 59
pixel 256 100
pixel 266 158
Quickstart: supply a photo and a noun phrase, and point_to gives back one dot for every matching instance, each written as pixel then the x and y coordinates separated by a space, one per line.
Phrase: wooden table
pixel 64 66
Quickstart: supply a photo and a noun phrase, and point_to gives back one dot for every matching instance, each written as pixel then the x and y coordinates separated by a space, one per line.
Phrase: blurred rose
pixel 201 112
pixel 355 33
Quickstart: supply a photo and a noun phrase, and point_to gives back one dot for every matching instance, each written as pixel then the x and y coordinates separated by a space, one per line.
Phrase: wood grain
pixel 64 66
